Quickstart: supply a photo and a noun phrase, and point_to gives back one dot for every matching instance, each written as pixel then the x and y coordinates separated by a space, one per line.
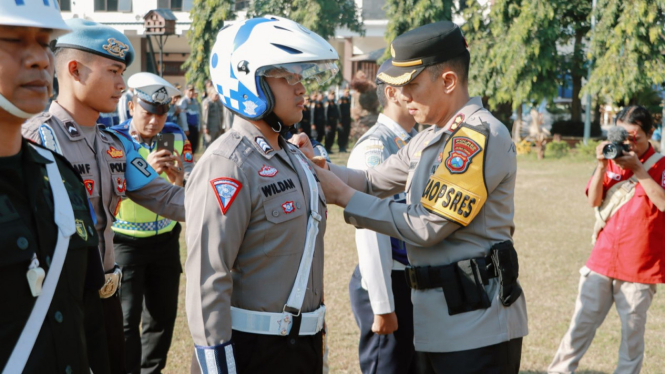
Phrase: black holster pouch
pixel 506 268
pixel 462 283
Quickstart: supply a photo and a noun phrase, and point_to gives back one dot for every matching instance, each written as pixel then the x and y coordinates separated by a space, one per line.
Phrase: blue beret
pixel 99 39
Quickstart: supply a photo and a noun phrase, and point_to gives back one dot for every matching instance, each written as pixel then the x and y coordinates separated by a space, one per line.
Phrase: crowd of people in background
pixel 325 117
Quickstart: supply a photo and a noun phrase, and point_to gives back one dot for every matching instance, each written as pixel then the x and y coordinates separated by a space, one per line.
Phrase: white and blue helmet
pixel 247 51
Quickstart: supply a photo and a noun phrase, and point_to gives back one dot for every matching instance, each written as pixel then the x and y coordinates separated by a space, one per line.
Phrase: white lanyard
pixel 297 295
pixel 64 219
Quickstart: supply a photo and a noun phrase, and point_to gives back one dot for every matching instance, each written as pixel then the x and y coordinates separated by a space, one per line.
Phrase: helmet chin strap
pixel 12 109
pixel 276 124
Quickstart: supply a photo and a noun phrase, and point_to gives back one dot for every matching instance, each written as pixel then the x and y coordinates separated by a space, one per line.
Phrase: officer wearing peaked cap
pixel 380 297
pixel 146 244
pixel 50 269
pixel 459 176
pixel 89 63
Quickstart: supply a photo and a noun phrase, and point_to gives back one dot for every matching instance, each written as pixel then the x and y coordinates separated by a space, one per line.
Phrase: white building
pixel 127 16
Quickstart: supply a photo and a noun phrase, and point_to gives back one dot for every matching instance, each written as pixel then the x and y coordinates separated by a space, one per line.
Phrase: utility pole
pixel 587 117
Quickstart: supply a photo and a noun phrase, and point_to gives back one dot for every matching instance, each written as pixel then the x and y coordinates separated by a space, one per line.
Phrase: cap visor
pixel 399 76
pixel 157 109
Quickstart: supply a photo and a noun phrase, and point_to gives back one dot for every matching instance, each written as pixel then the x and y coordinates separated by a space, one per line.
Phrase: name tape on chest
pixel 457 189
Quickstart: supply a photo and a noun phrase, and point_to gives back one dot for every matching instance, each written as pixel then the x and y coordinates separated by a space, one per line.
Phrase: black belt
pixel 426 277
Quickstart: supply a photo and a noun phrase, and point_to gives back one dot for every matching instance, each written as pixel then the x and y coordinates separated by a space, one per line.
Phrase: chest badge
pixel 80 230
pixel 121 185
pixel 462 152
pixel 115 153
pixel 89 186
pixel 288 207
pixel 268 171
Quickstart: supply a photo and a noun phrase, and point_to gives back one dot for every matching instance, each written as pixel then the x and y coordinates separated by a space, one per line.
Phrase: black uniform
pixel 306 123
pixel 345 119
pixel 72 338
pixel 319 120
pixel 332 120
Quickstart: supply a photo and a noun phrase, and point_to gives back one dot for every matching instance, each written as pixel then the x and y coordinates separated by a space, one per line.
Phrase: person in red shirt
pixel 628 258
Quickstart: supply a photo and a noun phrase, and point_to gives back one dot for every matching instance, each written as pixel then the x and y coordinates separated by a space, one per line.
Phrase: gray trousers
pixel 596 295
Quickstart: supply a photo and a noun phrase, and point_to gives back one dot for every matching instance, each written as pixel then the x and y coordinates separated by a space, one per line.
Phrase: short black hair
pixel 636 115
pixel 458 64
pixel 381 93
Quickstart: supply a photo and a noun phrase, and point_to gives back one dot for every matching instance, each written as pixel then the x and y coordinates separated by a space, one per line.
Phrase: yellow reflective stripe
pixel 457 188
pixel 132 212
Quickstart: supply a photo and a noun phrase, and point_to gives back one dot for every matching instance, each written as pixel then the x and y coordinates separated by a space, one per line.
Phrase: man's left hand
pixel 176 172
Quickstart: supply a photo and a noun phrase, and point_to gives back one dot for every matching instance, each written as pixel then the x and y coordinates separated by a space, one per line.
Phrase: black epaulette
pixel 60 159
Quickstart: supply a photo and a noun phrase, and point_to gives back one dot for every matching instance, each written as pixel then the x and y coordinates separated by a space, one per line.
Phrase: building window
pixel 65 5
pixel 175 5
pixel 112 5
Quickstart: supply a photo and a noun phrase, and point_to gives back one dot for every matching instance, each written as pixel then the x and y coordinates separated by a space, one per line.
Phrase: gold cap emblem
pixel 116 48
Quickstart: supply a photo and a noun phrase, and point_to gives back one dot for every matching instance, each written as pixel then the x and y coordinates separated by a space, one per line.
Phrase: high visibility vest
pixel 132 219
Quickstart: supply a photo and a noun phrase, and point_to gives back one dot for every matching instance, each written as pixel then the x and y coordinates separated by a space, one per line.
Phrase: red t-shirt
pixel 631 247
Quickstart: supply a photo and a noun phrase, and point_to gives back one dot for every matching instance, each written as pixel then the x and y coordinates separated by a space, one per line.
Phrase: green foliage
pixel 320 16
pixel 405 15
pixel 587 150
pixel 208 18
pixel 556 149
pixel 626 46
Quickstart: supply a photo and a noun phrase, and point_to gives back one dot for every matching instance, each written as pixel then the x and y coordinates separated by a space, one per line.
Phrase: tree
pixel 208 18
pixel 320 16
pixel 405 15
pixel 626 47
pixel 514 52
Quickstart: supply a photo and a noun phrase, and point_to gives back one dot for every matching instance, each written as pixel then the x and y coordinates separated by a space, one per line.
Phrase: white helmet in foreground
pixel 246 52
pixel 30 13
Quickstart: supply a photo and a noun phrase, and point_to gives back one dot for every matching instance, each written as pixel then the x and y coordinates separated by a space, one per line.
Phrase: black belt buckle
pixel 411 277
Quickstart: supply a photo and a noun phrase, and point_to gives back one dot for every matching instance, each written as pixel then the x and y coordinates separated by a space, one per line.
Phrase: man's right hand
pixel 384 324
pixel 301 140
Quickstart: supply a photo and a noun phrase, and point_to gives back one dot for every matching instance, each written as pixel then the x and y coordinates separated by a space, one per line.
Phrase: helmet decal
pixel 244 50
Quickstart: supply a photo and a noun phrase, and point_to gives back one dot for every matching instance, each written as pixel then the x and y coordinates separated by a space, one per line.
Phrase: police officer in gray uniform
pixel 256 217
pixel 380 297
pixel 89 63
pixel 459 176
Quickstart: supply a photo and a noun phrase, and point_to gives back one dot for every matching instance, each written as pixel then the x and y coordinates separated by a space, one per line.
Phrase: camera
pixel 616 136
pixel 615 149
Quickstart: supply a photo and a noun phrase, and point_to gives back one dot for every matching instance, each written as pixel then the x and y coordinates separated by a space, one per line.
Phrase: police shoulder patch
pixel 457 189
pixel 461 153
pixel 373 153
pixel 226 190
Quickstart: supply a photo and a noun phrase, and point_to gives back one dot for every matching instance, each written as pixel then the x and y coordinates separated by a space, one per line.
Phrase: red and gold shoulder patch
pixel 462 152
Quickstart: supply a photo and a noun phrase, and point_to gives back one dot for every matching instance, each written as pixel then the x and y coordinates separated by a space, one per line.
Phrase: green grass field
pixel 554 225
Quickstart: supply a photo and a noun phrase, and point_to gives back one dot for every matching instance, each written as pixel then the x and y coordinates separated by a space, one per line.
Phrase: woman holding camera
pixel 628 259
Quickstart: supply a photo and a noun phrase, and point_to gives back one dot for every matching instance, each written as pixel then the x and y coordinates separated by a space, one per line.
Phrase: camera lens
pixel 611 151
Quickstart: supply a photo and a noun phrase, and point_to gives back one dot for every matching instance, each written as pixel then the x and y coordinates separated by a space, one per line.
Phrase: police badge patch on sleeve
pixel 457 190
pixel 226 190
pixel 373 154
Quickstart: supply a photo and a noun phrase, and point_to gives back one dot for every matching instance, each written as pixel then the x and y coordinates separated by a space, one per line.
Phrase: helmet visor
pixel 321 71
